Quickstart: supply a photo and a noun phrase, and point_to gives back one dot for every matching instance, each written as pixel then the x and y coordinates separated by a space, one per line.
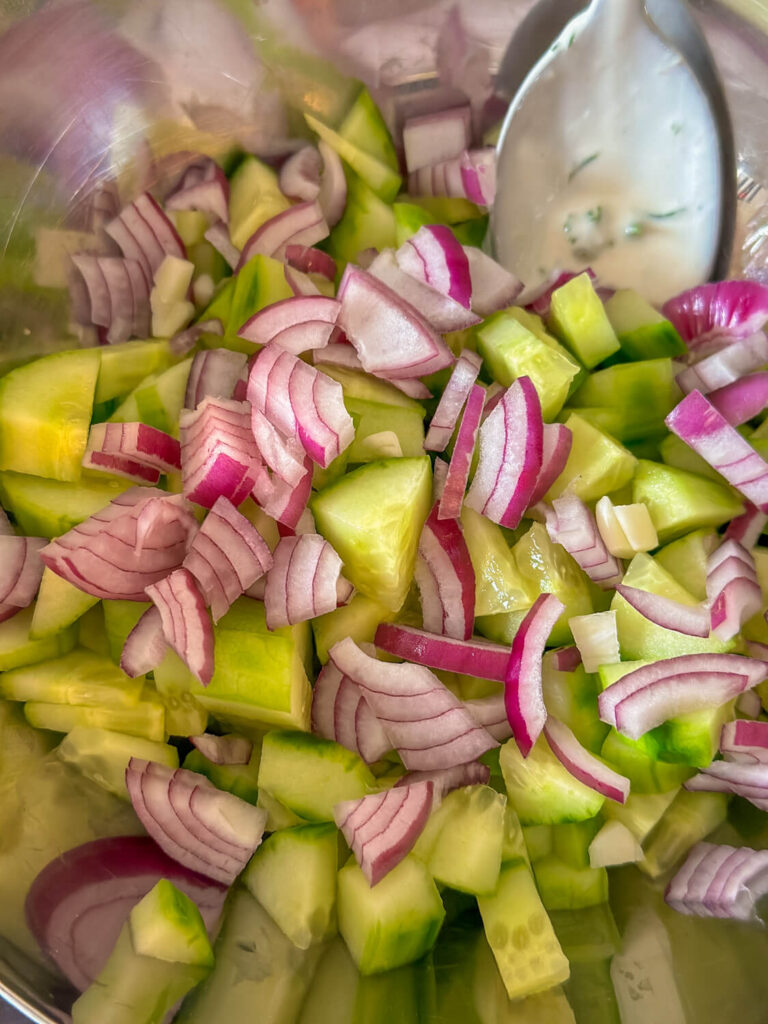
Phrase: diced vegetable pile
pixel 444 604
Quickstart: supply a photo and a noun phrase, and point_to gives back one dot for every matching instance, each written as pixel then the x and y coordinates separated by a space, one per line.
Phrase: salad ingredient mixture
pixel 381 616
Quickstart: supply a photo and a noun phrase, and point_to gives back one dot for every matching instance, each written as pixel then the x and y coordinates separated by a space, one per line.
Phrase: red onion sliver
pixel 203 186
pixel 21 569
pixel 443 559
pixel 262 327
pixel 572 524
pixel 213 374
pixel 186 625
pixel 311 261
pixel 719 881
pixel 732 588
pixel 303 224
pixel 744 740
pixel 522 686
pixel 120 465
pixel 340 712
pixel 435 731
pixel 338 354
pixel 432 138
pixel 381 829
pixel 284 502
pixel 696 421
pixel 218 452
pixel 725 366
pixel 224 749
pixel 145 234
pixel 284 455
pixel 441 311
pixel 491 713
pixel 674 695
pixel 692 620
pixel 493 287
pixel 584 766
pixel 445 779
pixel 478 175
pixel 724 310
pixel 299 176
pixel 743 399
pixel 556 447
pixel 473 657
pixel 332 197
pixel 414 388
pixel 566 659
pixel 511 445
pixel 139 442
pixel 434 256
pixel 456 478
pixel 145 646
pixel 455 394
pixel 302 581
pixel 218 235
pixel 747 528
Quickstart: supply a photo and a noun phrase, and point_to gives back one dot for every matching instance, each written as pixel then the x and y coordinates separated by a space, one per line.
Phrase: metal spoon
pixel 551 71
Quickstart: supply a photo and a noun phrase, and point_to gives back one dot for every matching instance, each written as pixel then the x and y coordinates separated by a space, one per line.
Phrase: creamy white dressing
pixel 610 162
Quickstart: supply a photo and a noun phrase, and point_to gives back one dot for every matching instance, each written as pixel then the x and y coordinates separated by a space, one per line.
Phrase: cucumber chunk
pixel 147 719
pixel 367 222
pixel 357 619
pixel 157 400
pixel 541 790
pixel 45 414
pixel 499 584
pixel 373 517
pixel 59 604
pixel 393 923
pixel 103 755
pixel 18 649
pixel 588 934
pixel 166 924
pixel 685 559
pixel 590 992
pixel 520 935
pixel 311 775
pixel 381 178
pixel 48 508
pixel 563 887
pixel 293 876
pixel 597 463
pixel 358 385
pixel 538 841
pixel 79 677
pixel 570 841
pixel 240 779
pixel 572 697
pixel 578 317
pixel 254 197
pixel 688 819
pixel 639 761
pixel 123 367
pixel 642 811
pixel 679 501
pixel 466 853
pixel 365 128
pixel 642 331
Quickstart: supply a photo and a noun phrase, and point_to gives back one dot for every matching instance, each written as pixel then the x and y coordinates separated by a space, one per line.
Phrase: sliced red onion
pixel 573 525
pixel 433 731
pixel 493 287
pixel 203 186
pixel 186 625
pixel 596 636
pixel 301 401
pixel 280 316
pixel 284 455
pixel 441 311
pixel 747 528
pixel 469 657
pixel 226 557
pixel 413 388
pixel 138 442
pixel 566 659
pixel 230 749
pixel 163 515
pixel 556 447
pixel 218 235
pixel 182 343
pixel 219 457
pixel 435 257
pixel 471 175
pixel 445 779
pixel 491 713
pixel 119 465
pixel 732 588
pixel 725 366
pixel 21 569
pixel 78 903
pixel 444 571
pixel 145 646
pixel 495 395
pixel 101 555
pixel 338 354
pixel 696 421
pixel 201 827
pixel 439 476
pixel 540 304
pixel 693 620
pixel 381 829
pixel 743 399
pixel 523 696
pixel 719 881
pixel 145 234
pixel 675 695
pixel 435 137
pixel 390 337
pixel 332 197
pixel 584 766
pixel 725 310
pixel 6 530
pixel 455 394
pixel 284 502
pixel 749 704
pixel 511 445
pixel 311 261
pixel 213 374
pixel 455 486
pixel 747 780
pixel 302 581
pixel 303 224
pixel 113 293
pixel 751 672
pixel 744 740
pixel 340 712
pixel 299 176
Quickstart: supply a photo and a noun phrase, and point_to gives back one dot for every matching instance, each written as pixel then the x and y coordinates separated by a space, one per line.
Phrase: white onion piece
pixel 692 620
pixel 303 224
pixel 696 421
pixel 194 823
pixel 441 311
pixel 523 695
pixel 511 445
pixel 473 657
pixel 21 569
pixel 435 731
pixel 145 234
pixel 145 646
pixel 381 829
pixel 473 773
pixel 742 400
pixel 597 639
pixel 101 555
pixel 219 457
pixel 732 589
pixel 491 713
pixel 228 749
pixel 675 695
pixel 747 528
pixel 299 176
pixel 459 467
pixel 573 525
pixel 302 581
pixel 726 366
pixel 556 447
pixel 431 138
pixel 748 704
pixel 202 186
pixel 751 671
pixel 218 235
pixel 226 557
pixel 455 394
pixel 186 625
pixel 213 374
pixel 444 572
pixel 391 338
pixel 139 442
pixel 585 767
pixel 341 713
pixel 746 741
pixel 493 286
pixel 263 326
pixel 435 257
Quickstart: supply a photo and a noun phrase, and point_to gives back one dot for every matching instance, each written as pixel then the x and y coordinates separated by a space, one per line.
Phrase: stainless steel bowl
pixel 84 85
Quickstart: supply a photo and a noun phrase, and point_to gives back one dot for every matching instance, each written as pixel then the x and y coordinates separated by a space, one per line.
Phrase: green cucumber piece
pixel 358 619
pixel 639 761
pixel 184 715
pixel 17 648
pixel 547 568
pixel 499 584
pixel 538 841
pixel 257 284
pixel 358 385
pixel 119 619
pixel 513 844
pixel 254 198
pixel 311 775
pixel 293 876
pixel 367 222
pixel 380 177
pixel 520 935
pixel 166 925
pixel 393 923
pixel 147 719
pixel 92 633
pixel 409 217
pixel 157 401
pixel 563 887
pixel 590 992
pixel 688 819
pixel 679 501
pixel 587 935
pixel 466 854
pixel 448 209
pixel 365 128
pixel 123 367
pixel 570 841
pixel 572 697
pixel 240 779
pixel 685 559
pixel 578 317
pixel 102 755
pixel 79 677
pixel 373 517
pixel 59 604
pixel 510 351
pixel 372 418
pixel 642 811
pixel 278 815
pixel 541 790
pixel 48 508
pixel 642 331
pixel 598 464
pixel 45 414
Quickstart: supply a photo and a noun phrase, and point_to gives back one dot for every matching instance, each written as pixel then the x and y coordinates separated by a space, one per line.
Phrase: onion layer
pixel 341 713
pixel 303 581
pixel 445 578
pixel 584 766
pixel 472 657
pixel 186 625
pixel 456 478
pixel 523 695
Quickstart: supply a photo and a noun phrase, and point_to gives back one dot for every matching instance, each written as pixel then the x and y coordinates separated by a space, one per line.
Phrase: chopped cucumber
pixel 679 501
pixel 48 508
pixel 541 790
pixel 466 853
pixel 588 934
pixel 373 417
pixel 367 222
pixel 570 841
pixel 538 841
pixel 597 463
pixel 357 619
pixel 79 677
pixel 240 779
pixel 686 560
pixel 254 197
pixel 642 331
pixel 642 811
pixel 563 887
pixel 380 177
pixel 365 128
pixel 17 648
pixel 59 604
pixel 166 924
pixel 157 400
pixel 578 317
pixel 572 697
pixel 499 584
pixel 146 719
pixel 688 819
pixel 103 755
